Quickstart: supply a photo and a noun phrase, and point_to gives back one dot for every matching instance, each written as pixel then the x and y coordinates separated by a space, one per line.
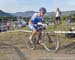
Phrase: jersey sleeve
pixel 34 16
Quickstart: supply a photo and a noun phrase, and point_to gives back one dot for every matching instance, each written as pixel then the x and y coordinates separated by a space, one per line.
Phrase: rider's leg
pixel 33 32
pixel 40 33
pixel 49 38
pixel 39 36
pixel 32 35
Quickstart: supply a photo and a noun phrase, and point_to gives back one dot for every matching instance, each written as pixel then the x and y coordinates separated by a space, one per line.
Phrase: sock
pixel 30 38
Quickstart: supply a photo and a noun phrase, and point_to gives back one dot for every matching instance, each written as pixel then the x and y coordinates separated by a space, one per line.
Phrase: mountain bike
pixel 49 40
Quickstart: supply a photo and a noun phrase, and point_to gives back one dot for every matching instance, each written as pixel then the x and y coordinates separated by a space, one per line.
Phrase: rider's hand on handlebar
pixel 40 23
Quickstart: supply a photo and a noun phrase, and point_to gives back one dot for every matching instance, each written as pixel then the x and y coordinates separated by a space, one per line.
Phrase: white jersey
pixel 58 13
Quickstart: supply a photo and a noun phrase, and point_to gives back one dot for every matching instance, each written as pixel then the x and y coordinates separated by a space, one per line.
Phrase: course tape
pixel 27 31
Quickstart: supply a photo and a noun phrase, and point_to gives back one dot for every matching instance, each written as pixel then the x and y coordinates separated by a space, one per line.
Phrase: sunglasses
pixel 43 12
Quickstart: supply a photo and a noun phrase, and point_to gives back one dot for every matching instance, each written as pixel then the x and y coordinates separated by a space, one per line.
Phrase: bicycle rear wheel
pixel 51 42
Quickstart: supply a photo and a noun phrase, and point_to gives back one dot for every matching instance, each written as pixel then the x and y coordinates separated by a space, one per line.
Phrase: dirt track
pixel 14 53
pixel 13 48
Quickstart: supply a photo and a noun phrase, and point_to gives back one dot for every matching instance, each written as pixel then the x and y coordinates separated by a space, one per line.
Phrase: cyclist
pixel 33 22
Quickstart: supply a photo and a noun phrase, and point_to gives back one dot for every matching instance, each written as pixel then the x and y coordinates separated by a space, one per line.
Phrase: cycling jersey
pixel 35 19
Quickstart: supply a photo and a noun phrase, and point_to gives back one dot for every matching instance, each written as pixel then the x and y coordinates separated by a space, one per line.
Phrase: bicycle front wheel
pixel 51 42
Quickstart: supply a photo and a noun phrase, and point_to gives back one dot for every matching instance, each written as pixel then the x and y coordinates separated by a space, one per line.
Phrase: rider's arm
pixel 32 18
pixel 30 21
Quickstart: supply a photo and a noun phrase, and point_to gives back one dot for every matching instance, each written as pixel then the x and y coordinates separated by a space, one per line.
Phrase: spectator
pixel 58 14
pixel 21 21
pixel 8 24
pixel 71 35
pixel 68 21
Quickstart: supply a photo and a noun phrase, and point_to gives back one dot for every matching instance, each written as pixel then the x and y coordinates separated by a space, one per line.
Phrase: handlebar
pixel 40 23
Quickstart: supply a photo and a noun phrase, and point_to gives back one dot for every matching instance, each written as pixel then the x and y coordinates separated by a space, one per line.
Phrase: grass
pixel 61 27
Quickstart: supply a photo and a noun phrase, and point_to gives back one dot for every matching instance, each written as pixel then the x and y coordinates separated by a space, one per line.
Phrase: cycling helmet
pixel 43 9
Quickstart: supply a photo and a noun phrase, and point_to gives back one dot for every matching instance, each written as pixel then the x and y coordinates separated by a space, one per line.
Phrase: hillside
pixel 2 13
pixel 30 13
pixel 26 13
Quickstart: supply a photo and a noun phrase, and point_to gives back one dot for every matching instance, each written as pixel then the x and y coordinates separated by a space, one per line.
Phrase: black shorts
pixel 58 18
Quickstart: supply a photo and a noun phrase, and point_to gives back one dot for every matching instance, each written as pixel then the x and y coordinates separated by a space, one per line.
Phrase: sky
pixel 34 5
